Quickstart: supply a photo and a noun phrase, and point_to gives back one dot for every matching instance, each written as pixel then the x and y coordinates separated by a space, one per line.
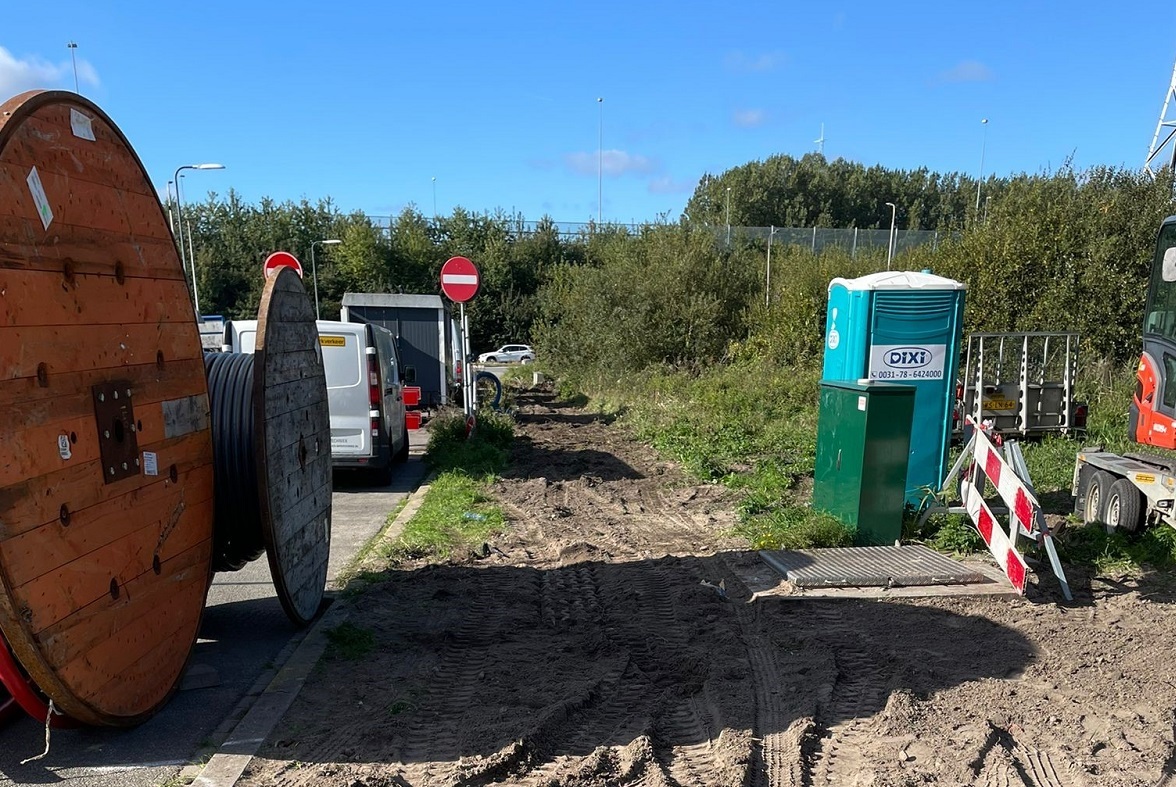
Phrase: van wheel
pixel 402 454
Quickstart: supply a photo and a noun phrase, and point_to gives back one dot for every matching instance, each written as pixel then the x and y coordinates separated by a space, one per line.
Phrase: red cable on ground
pixel 24 693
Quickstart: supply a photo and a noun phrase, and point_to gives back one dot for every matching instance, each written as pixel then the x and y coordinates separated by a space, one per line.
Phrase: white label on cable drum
pixel 81 124
pixel 39 198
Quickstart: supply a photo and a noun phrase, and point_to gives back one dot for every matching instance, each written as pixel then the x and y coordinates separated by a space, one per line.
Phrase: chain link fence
pixel 816 239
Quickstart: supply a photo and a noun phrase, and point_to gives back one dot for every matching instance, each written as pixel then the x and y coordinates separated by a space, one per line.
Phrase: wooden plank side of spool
pixel 292 445
pixel 106 478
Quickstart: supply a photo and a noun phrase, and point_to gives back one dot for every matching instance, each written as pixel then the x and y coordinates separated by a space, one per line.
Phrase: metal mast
pixel 1167 121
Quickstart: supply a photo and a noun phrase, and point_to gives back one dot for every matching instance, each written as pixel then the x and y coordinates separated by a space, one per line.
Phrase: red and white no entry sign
pixel 281 259
pixel 459 279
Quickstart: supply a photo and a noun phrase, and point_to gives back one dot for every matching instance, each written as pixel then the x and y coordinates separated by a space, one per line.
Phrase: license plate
pixel 1000 405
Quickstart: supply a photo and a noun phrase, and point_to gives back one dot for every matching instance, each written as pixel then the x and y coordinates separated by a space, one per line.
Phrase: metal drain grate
pixel 899 566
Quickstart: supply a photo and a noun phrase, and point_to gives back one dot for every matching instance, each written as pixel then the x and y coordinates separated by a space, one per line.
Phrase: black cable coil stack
pixel 237 536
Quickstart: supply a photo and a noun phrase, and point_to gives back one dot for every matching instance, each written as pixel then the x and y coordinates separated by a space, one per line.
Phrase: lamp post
pixel 728 215
pixel 180 224
pixel 600 162
pixel 434 198
pixel 890 237
pixel 73 48
pixel 980 178
pixel 314 270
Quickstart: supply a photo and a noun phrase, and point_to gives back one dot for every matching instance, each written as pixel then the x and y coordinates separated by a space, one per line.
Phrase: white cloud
pixel 967 71
pixel 611 162
pixel 749 118
pixel 667 185
pixel 743 62
pixel 17 76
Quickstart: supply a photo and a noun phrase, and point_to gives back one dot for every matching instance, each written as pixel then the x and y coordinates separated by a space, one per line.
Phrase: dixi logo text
pixel 907 358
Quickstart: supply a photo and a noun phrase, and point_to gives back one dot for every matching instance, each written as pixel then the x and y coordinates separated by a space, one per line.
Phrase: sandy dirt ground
pixel 590 645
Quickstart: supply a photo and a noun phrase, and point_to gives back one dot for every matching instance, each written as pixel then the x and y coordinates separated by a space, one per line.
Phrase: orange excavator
pixel 1129 491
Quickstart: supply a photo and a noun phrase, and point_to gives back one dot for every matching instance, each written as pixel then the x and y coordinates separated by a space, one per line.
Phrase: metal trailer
pixel 1124 491
pixel 1023 383
pixel 423 327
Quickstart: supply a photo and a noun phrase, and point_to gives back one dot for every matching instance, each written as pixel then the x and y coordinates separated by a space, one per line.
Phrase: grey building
pixel 425 331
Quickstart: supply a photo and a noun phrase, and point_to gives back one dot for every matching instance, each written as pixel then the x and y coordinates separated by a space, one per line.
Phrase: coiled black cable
pixel 237 536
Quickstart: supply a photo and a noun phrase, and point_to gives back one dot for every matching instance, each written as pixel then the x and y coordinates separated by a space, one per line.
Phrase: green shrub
pixel 484 452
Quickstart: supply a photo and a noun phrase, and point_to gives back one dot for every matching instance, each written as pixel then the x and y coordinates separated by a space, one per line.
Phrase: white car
pixel 507 353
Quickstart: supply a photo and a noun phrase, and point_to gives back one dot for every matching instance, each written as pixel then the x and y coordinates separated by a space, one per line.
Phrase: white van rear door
pixel 345 364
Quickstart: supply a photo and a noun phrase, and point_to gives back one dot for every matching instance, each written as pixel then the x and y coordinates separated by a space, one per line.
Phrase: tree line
pixel 1060 251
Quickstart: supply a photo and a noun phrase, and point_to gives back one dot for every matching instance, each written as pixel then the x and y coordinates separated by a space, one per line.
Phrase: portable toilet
pixel 902 327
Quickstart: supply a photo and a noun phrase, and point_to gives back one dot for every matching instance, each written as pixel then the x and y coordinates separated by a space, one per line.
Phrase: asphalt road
pixel 244 638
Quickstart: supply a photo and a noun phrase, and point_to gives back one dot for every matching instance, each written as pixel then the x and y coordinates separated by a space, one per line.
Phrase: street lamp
pixel 980 179
pixel 73 48
pixel 314 270
pixel 600 163
pixel 434 198
pixel 180 224
pixel 728 215
pixel 890 237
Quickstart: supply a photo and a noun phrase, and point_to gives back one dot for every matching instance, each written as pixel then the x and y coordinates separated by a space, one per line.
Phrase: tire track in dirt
pixel 775 763
pixel 1020 765
pixel 432 741
pixel 856 697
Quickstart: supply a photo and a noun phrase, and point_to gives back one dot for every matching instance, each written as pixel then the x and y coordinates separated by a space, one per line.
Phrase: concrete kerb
pixel 262 708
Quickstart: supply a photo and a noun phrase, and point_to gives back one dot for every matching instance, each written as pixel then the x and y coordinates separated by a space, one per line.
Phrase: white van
pixel 365 394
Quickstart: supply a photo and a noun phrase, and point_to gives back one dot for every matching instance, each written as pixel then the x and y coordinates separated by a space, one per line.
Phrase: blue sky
pixel 368 102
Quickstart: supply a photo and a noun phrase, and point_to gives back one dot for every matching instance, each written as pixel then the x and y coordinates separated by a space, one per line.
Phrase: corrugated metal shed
pixel 420 322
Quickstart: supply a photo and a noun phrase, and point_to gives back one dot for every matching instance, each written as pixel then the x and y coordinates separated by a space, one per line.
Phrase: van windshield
pixel 342 362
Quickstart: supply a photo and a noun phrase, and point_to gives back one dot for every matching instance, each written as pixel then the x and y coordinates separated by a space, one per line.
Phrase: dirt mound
pixel 606 639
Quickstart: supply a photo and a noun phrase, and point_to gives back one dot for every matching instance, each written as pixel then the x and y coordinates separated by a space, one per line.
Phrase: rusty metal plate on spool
pixel 292 445
pixel 103 584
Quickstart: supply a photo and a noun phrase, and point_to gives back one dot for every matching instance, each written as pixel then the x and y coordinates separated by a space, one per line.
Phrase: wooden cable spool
pixel 272 438
pixel 106 476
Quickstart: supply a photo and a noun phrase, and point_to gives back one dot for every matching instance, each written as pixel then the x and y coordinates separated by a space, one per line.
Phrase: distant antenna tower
pixel 1167 121
pixel 821 140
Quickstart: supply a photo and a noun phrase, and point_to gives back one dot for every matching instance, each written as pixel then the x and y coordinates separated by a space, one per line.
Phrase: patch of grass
pixel 793 527
pixel 483 453
pixel 350 642
pixel 455 517
pixel 957 536
pixel 1117 552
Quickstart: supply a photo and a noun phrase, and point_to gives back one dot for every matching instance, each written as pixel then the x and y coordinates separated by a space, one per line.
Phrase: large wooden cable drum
pixel 271 438
pixel 292 445
pixel 106 477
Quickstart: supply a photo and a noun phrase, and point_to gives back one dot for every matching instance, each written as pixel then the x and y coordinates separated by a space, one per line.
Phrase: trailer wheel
pixel 1098 489
pixel 1124 507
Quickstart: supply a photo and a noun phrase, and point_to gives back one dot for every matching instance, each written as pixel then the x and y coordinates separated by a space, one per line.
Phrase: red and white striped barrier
pixel 980 462
pixel 1021 502
pixel 999 544
pixel 1023 506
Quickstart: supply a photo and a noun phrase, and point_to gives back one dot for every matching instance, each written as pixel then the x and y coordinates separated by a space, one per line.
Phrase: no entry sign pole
pixel 459 282
pixel 470 391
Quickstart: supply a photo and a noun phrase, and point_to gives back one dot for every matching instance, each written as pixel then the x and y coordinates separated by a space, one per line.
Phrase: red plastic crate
pixel 412 395
pixel 412 420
